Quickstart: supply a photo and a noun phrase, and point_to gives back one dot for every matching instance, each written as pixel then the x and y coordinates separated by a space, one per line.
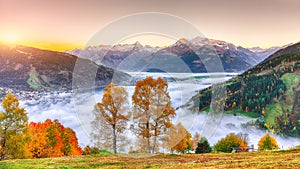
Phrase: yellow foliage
pixel 13 126
pixel 263 112
pixel 181 139
pixel 152 109
pixel 113 112
pixel 267 142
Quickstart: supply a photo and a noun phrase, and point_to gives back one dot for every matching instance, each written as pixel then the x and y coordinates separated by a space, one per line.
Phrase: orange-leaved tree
pixel 267 142
pixel 70 143
pixel 180 139
pixel 152 112
pixel 38 140
pixel 244 139
pixel 52 139
pixel 111 115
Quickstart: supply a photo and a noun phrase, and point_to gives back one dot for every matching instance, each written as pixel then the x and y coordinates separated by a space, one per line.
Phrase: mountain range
pixel 183 56
pixel 263 53
pixel 268 89
pixel 28 68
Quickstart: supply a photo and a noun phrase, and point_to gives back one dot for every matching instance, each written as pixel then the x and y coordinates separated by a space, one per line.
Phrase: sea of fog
pixel 75 111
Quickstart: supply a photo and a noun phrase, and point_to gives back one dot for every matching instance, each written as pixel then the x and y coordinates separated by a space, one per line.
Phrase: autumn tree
pixel 152 112
pixel 203 146
pixel 112 114
pixel 229 142
pixel 38 141
pixel 101 134
pixel 179 139
pixel 196 139
pixel 267 142
pixel 244 140
pixel 51 139
pixel 90 150
pixel 54 140
pixel 142 145
pixel 87 150
pixel 13 128
pixel 174 136
pixel 189 142
pixel 70 143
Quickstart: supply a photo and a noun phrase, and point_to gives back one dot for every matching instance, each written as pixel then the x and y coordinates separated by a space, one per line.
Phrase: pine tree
pixel 203 146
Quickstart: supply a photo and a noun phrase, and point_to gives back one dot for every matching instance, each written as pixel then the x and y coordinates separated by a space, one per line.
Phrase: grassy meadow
pixel 268 159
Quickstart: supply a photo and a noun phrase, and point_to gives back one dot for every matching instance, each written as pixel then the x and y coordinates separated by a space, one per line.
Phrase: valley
pixel 48 96
pixel 149 84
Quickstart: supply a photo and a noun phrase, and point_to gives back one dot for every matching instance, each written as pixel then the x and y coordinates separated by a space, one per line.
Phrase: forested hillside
pixel 268 91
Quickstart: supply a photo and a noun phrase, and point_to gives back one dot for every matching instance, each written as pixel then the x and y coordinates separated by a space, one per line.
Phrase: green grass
pixel 276 109
pixel 290 80
pixel 272 111
pixel 295 149
pixel 270 159
pixel 238 112
pixel 206 110
pixel 105 152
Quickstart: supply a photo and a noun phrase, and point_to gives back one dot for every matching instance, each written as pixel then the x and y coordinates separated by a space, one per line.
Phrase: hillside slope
pixel 268 91
pixel 27 68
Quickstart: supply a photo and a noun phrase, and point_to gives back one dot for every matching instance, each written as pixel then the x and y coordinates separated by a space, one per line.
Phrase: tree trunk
pixel 148 137
pixel 114 140
pixel 3 149
pixel 154 142
pixel 3 146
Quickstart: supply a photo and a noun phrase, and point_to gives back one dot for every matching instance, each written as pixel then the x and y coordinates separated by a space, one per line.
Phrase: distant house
pixel 240 149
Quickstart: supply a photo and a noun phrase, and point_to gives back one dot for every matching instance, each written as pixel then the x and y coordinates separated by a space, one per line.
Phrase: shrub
pixel 94 150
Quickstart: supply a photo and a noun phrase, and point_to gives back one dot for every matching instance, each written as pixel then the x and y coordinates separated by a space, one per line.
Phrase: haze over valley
pixel 43 80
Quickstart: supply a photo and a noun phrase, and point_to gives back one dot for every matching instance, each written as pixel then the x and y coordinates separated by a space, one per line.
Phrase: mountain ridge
pixel 29 68
pixel 234 58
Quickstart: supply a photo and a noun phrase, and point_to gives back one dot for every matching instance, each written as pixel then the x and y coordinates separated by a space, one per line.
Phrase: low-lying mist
pixel 75 111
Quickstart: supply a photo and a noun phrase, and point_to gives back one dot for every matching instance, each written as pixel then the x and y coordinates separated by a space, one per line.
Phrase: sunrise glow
pixel 26 23
pixel 9 38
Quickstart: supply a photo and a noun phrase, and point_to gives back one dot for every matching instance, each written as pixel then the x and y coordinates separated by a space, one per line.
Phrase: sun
pixel 10 38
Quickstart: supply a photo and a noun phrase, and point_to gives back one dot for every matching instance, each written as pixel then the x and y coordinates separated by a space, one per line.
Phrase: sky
pixel 68 24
